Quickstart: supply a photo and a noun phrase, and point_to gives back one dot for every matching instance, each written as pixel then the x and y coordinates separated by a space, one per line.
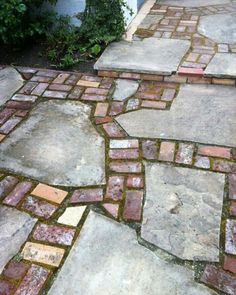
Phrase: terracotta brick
pixel 49 193
pixel 230 264
pixel 106 83
pixel 87 195
pixel 214 151
pixel 98 91
pixel 39 207
pixel 233 209
pixel 60 87
pixel 18 193
pixel 21 113
pixel 112 209
pixel 33 281
pixel 47 73
pixel 124 154
pixel 153 104
pixel 110 74
pixel 103 120
pixel 73 79
pixel 113 130
pixel 39 90
pixel 55 94
pixel 167 151
pixel 76 92
pixel 135 181
pixel 232 186
pixel 116 108
pixel 230 82
pixel 9 125
pixel 5 114
pixel 28 87
pixel 185 154
pixel 133 206
pixel 190 72
pixel 126 167
pixel 115 188
pixel 219 279
pixel 130 76
pixel 54 234
pixel 149 77
pixel 41 79
pixel 61 78
pixel 101 109
pixel 230 237
pixel 197 80
pixel 7 185
pixel 19 105
pixel 175 79
pixel 16 270
pixel 202 162
pixel 93 97
pixel 155 95
pixel 6 287
pixel 85 83
pixel 224 166
pixel 149 149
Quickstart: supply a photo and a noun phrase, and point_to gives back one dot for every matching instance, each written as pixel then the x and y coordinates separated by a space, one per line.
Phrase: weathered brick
pixel 61 78
pixel 9 125
pixel 16 270
pixel 5 114
pixel 41 79
pixel 93 97
pixel 101 109
pixel 6 287
pixel 168 94
pixel 230 264
pixel 232 208
pixel 230 237
pixel 18 193
pixel 167 151
pixel 55 94
pixel 98 91
pixel 202 162
pixel 115 188
pixel 39 207
pixel 185 154
pixel 73 79
pixel 232 186
pixel 7 185
pixel 130 75
pixel 60 87
pixel 106 83
pixel 76 92
pixel 219 279
pixel 133 205
pixel 124 154
pixel 110 74
pixel 49 193
pixel 28 87
pixel 116 108
pixel 21 113
pixel 103 120
pixel 153 104
pixel 113 130
pixel 224 166
pixel 218 81
pixel 175 79
pixel 85 83
pixel 149 149
pixel 2 136
pixel 91 78
pixel 126 167
pixel 214 151
pixel 87 195
pixel 112 209
pixel 24 97
pixel 182 71
pixel 124 143
pixel 234 153
pixel 150 77
pixel 135 181
pixel 47 73
pixel 19 105
pixel 54 234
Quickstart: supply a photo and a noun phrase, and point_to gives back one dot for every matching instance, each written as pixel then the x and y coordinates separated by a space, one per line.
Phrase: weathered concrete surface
pixel 220 27
pixel 107 260
pixel 223 65
pixel 10 82
pixel 152 55
pixel 15 226
pixel 57 145
pixel 124 89
pixel 182 212
pixel 200 113
pixel 193 3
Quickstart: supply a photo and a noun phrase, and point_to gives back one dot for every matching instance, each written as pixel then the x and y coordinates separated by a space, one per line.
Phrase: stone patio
pixel 124 182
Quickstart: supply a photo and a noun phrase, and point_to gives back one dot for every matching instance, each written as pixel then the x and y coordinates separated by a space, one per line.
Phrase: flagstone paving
pixel 155 212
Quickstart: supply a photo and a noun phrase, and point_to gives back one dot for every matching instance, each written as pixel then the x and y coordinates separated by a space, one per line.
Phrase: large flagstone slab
pixel 223 65
pixel 15 226
pixel 57 145
pixel 182 212
pixel 193 3
pixel 10 82
pixel 106 259
pixel 200 113
pixel 219 27
pixel 151 55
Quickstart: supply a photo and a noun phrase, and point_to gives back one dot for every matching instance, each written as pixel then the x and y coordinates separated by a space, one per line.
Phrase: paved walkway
pixel 124 184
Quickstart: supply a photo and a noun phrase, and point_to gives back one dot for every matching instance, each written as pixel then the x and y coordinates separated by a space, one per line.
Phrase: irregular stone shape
pixel 15 226
pixel 193 3
pixel 107 249
pixel 10 82
pixel 219 27
pixel 72 215
pixel 150 20
pixel 182 212
pixel 200 113
pixel 223 65
pixel 124 89
pixel 151 55
pixel 57 145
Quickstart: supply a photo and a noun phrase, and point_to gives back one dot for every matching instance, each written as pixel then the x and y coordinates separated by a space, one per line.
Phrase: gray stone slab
pixel 193 3
pixel 150 21
pixel 10 82
pixel 124 89
pixel 200 113
pixel 107 260
pixel 182 212
pixel 57 145
pixel 15 226
pixel 151 55
pixel 219 27
pixel 223 65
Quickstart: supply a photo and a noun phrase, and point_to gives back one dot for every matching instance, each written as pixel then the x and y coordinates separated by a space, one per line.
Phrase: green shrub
pixel 18 23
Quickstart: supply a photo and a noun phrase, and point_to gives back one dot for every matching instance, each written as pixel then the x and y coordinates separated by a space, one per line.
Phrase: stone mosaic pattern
pixel 122 196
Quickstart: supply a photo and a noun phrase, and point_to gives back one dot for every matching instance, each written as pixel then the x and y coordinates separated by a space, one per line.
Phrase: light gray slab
pixel 200 113
pixel 150 21
pixel 57 145
pixel 182 212
pixel 107 260
pixel 223 65
pixel 124 89
pixel 151 55
pixel 10 82
pixel 15 226
pixel 193 3
pixel 219 27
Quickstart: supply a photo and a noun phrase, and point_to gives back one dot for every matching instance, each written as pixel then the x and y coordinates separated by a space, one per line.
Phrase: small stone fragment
pixel 72 215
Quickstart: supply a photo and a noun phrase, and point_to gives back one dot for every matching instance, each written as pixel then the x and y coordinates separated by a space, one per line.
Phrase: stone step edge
pixel 184 75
